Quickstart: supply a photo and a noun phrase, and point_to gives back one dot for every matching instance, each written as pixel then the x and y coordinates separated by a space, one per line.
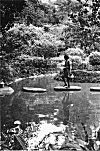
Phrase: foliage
pixel 10 11
pixel 74 51
pixel 76 62
pixel 86 38
pixel 5 71
pixel 32 14
pixel 29 11
pixel 96 67
pixel 30 40
pixel 82 76
pixel 66 7
pixel 79 28
pixel 94 58
pixel 83 20
pixel 25 67
pixel 39 13
pixel 35 137
pixel 29 67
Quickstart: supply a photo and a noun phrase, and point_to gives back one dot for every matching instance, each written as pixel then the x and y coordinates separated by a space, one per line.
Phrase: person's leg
pixel 68 81
pixel 68 78
pixel 64 80
pixel 64 77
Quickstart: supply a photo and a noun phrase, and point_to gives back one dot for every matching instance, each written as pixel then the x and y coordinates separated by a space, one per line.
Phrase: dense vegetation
pixel 32 34
pixel 31 28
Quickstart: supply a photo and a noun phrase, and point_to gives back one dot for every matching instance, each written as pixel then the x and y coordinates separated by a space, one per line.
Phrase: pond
pixel 51 106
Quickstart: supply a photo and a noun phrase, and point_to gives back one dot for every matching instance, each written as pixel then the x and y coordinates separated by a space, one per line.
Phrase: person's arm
pixel 70 66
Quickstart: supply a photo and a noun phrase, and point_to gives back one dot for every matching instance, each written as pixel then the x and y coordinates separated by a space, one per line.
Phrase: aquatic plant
pixel 46 136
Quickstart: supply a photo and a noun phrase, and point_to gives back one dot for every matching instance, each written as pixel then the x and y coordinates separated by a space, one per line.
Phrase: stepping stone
pixel 34 90
pixel 65 88
pixel 94 88
pixel 6 91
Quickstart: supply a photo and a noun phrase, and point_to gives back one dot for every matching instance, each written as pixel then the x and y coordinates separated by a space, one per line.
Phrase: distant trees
pixel 39 13
pixel 10 10
pixel 83 23
pixel 82 19
pixel 32 28
pixel 32 13
pixel 29 11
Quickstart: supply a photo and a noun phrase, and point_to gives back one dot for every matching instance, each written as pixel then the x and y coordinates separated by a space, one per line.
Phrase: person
pixel 66 71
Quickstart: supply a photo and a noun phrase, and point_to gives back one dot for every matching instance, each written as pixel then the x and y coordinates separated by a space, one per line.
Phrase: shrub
pixel 30 40
pixel 29 67
pixel 74 51
pixel 94 58
pixel 82 76
pixel 82 66
pixel 96 67
pixel 5 72
pixel 76 61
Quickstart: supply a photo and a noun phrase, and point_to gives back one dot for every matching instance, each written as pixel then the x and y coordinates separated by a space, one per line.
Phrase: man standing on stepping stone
pixel 66 71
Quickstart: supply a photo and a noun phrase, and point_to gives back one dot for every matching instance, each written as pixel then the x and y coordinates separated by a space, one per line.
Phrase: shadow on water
pixel 51 107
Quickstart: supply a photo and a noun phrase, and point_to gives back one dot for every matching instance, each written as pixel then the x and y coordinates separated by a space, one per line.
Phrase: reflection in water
pixel 51 106
pixel 66 106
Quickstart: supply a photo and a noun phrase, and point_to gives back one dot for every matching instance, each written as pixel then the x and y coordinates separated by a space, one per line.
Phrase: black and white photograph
pixel 50 75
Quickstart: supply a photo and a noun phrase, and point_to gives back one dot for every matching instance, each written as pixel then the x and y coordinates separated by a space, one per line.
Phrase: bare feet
pixel 65 85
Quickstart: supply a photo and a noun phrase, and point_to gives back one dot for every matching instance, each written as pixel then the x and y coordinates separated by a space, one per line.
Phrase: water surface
pixel 51 106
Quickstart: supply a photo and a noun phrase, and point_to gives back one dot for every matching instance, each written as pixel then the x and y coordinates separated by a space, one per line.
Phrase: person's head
pixel 66 57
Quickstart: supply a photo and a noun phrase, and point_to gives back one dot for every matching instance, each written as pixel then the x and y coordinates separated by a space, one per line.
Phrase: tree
pixel 28 40
pixel 83 20
pixel 10 10
pixel 66 8
pixel 39 13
